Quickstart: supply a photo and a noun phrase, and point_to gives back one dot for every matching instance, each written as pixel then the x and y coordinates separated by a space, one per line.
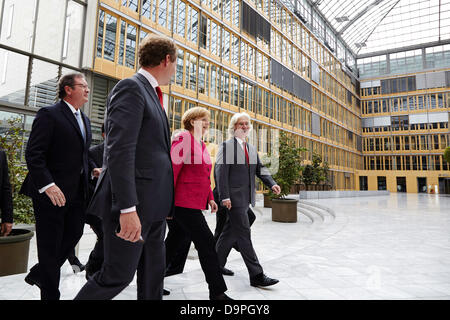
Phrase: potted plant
pixel 315 173
pixel 447 154
pixel 14 248
pixel 289 165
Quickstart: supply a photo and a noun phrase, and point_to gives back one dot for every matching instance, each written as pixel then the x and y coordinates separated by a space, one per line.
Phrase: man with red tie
pixel 237 165
pixel 135 193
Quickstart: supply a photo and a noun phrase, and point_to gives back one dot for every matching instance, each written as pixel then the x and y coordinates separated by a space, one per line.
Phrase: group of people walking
pixel 146 180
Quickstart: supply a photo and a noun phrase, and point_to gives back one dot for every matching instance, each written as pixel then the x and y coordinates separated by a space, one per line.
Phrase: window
pixel 226 45
pixel 363 185
pixel 106 37
pixel 13 72
pixel 49 29
pixel 132 4
pixel 193 16
pixel 191 72
pixel 148 9
pixel 101 88
pixel 234 91
pixel 180 17
pixel 226 10
pixel 165 13
pixel 127 46
pixel 180 67
pixel 43 86
pixel 236 20
pixel 225 86
pixel 73 34
pixel 215 82
pixel 235 51
pixel 381 183
pixel 201 75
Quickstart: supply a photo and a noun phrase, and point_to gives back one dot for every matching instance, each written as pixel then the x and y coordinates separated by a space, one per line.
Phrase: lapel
pixel 71 118
pixel 156 105
pixel 252 154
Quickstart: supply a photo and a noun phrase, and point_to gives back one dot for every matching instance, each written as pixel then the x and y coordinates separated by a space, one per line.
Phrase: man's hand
pixel 276 189
pixel 130 227
pixel 213 205
pixel 56 196
pixel 96 172
pixel 227 203
pixel 6 229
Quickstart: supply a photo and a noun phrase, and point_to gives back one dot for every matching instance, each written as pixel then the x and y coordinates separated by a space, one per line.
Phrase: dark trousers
pixel 237 230
pixel 95 260
pixel 221 219
pixel 178 243
pixel 194 224
pixel 73 259
pixel 122 259
pixel 58 230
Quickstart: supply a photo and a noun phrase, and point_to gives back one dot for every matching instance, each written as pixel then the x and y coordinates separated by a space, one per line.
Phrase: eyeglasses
pixel 84 86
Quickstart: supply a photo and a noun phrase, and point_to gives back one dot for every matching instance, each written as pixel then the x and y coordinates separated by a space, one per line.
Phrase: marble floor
pixel 385 247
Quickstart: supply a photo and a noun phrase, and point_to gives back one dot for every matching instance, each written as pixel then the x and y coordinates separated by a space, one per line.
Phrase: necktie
pixel 246 153
pixel 80 124
pixel 160 96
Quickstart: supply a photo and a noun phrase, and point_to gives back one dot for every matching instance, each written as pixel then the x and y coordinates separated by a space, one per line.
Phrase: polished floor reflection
pixel 387 247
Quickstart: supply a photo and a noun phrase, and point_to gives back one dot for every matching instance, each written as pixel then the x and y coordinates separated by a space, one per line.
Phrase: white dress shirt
pixel 154 84
pixel 42 190
pixel 150 78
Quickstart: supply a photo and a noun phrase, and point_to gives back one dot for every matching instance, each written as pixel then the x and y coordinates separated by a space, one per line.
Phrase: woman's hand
pixel 213 206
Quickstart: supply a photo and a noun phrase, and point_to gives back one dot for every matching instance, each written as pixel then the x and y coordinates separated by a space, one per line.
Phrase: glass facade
pixel 296 75
pixel 39 41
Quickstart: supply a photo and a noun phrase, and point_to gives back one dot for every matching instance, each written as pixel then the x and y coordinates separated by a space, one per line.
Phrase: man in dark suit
pixel 6 204
pixel 57 181
pixel 236 166
pixel 221 219
pixel 95 260
pixel 135 193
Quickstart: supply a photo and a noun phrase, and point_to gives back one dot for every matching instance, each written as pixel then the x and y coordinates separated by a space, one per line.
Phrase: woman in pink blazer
pixel 192 170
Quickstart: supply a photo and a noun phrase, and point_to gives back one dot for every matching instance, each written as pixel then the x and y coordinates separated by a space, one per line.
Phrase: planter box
pixel 14 250
pixel 284 210
pixel 267 201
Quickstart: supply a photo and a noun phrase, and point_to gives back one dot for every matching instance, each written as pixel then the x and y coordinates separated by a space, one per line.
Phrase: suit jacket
pixel 137 170
pixel 236 179
pixel 56 152
pixel 96 154
pixel 6 205
pixel 191 172
pixel 96 158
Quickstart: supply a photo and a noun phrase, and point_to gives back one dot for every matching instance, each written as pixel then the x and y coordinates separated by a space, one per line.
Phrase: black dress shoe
pixel 226 272
pixel 262 280
pixel 31 281
pixel 166 292
pixel 221 296
pixel 78 267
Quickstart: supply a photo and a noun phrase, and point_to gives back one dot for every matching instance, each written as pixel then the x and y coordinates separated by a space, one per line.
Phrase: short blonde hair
pixel 235 119
pixel 193 114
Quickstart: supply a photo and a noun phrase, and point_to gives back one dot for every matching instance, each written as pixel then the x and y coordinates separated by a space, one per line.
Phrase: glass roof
pixel 377 25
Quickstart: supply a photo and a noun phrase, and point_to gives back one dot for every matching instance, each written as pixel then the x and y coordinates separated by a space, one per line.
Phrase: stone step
pixel 316 206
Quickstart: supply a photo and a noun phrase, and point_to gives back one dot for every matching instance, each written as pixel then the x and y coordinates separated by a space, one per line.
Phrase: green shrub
pixel 11 141
pixel 289 165
pixel 447 154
